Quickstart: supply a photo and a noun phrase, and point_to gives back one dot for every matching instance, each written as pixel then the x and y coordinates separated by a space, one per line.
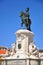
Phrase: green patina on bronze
pixel 25 19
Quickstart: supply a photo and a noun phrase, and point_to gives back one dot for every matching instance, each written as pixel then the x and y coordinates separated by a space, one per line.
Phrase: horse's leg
pixel 22 23
pixel 28 28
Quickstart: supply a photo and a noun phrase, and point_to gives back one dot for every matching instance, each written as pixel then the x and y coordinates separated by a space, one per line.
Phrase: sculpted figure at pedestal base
pixel 13 49
pixel 33 50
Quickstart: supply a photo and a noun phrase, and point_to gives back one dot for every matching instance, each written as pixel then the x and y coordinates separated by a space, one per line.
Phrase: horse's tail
pixel 29 21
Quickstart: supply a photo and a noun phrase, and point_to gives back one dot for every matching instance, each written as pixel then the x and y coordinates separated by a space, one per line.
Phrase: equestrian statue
pixel 25 19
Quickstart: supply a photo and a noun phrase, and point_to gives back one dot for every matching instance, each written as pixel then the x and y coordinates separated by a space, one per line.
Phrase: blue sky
pixel 10 20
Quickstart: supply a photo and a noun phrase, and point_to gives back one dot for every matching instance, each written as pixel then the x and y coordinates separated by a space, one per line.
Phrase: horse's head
pixel 21 14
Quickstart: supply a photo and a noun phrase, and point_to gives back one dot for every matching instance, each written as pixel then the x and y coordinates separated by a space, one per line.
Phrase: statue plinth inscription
pixel 19 62
pixel 16 62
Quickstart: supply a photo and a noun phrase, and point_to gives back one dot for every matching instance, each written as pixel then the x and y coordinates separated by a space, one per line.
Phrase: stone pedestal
pixel 23 39
pixel 24 49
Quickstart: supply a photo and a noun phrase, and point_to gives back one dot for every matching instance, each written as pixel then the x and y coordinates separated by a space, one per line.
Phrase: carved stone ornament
pixel 33 49
pixel 20 37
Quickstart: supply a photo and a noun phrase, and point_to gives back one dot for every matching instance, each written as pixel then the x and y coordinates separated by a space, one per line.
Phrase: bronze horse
pixel 25 20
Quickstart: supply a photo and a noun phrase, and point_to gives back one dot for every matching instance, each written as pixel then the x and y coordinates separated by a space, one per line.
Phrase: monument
pixel 26 51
